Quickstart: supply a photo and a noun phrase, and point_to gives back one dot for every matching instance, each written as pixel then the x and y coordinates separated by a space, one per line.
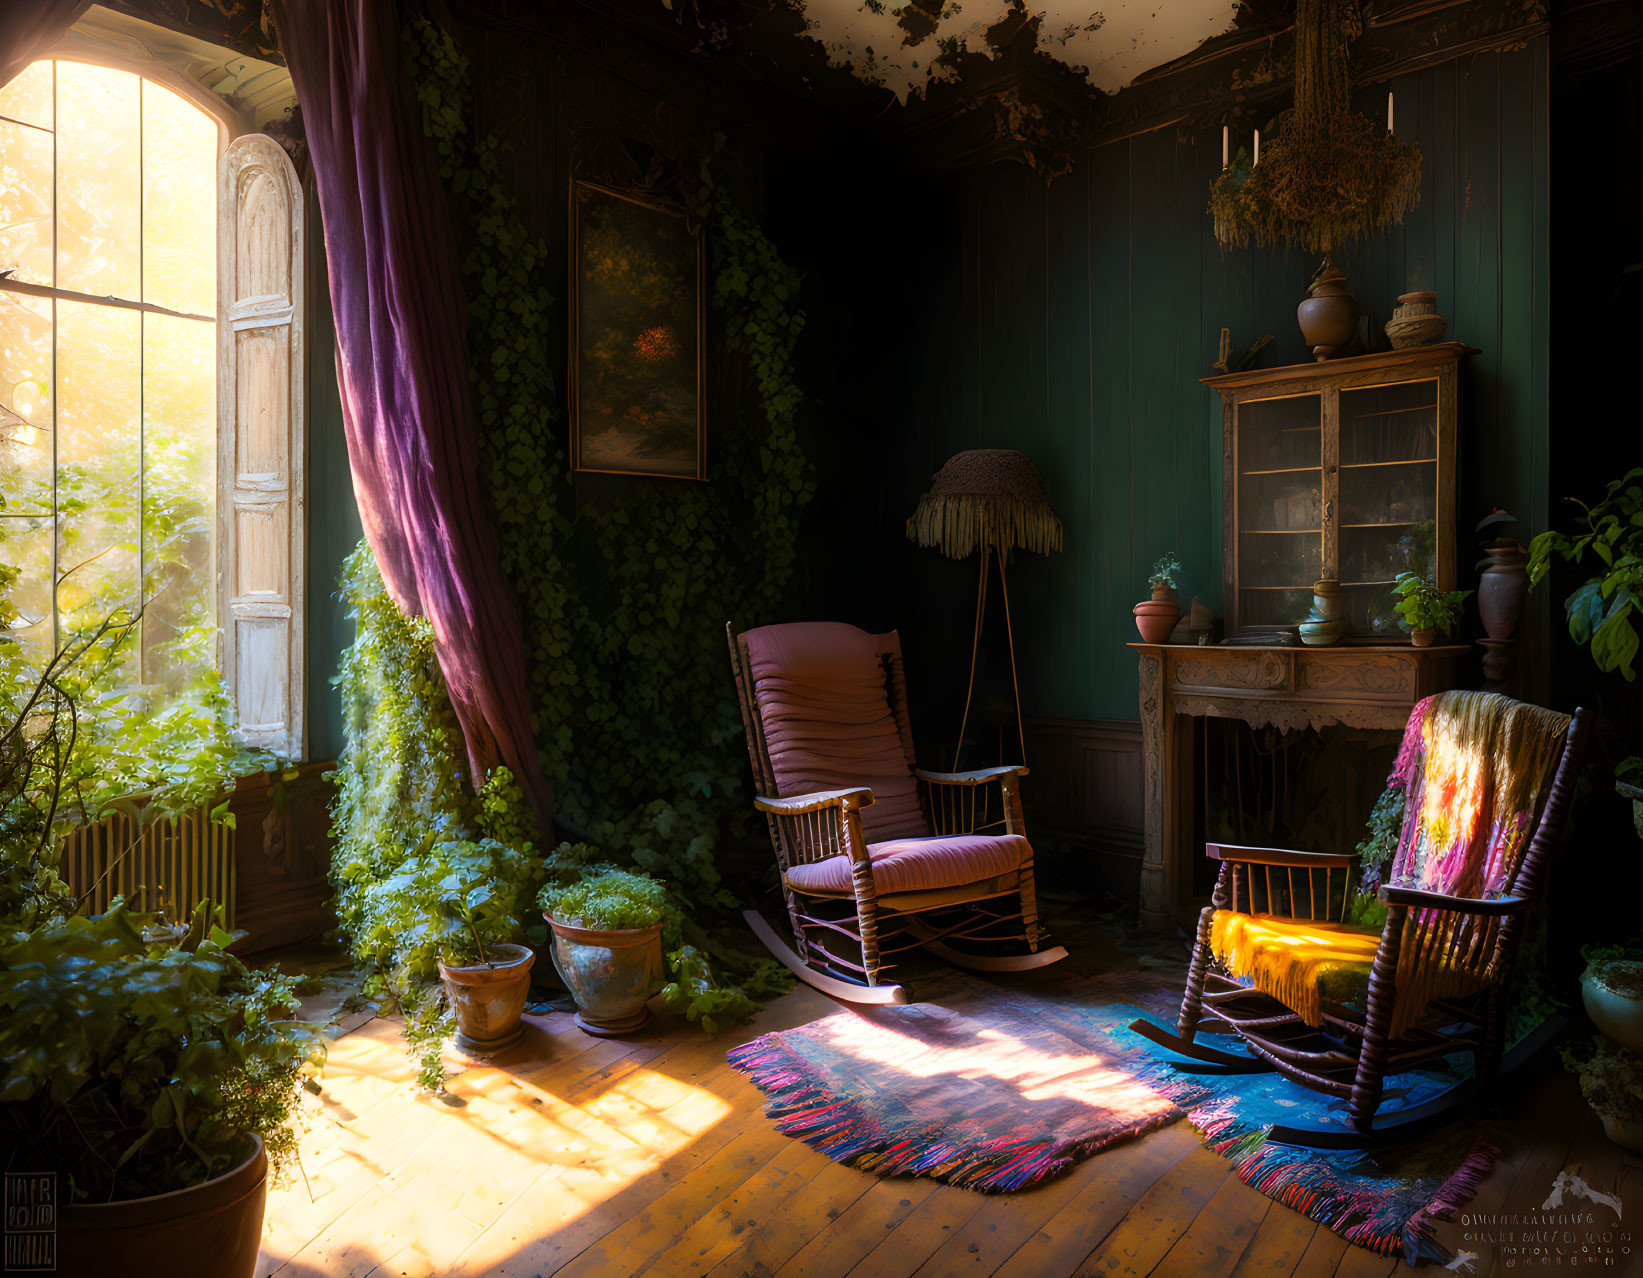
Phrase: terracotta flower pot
pixel 610 974
pixel 1156 617
pixel 210 1230
pixel 1423 638
pixel 1329 315
pixel 488 1001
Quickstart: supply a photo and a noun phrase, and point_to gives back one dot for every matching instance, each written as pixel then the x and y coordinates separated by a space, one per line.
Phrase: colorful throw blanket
pixel 1475 768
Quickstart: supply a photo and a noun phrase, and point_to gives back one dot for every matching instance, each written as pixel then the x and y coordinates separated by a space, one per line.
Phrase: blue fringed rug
pixel 997 1090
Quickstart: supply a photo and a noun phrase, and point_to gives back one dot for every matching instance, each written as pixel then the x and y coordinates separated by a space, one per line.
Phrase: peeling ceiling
pixel 905 45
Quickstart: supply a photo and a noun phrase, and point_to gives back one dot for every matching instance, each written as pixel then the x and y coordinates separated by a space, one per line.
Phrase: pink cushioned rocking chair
pixel 874 852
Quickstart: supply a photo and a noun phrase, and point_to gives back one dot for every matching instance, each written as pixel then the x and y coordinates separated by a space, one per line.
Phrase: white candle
pixel 1389 110
pixel 1223 146
pixel 1257 158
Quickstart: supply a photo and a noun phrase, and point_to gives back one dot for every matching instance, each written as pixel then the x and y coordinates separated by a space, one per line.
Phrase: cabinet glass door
pixel 1280 508
pixel 1388 498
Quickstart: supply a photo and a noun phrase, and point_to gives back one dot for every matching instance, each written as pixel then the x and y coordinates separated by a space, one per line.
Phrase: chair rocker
pixel 876 856
pixel 1336 1007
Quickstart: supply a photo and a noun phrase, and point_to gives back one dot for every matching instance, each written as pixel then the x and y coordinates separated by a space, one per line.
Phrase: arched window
pixel 150 391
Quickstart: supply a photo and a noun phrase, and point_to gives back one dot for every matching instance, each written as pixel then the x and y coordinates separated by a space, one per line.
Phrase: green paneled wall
pixel 1084 314
pixel 333 517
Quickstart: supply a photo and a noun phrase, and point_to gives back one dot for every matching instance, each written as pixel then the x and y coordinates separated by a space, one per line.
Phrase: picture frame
pixel 638 341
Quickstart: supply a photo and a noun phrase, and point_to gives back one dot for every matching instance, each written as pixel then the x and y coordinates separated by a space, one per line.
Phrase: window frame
pixel 91 48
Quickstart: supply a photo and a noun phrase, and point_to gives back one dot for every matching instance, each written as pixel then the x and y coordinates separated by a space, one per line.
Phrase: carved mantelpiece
pixel 1284 687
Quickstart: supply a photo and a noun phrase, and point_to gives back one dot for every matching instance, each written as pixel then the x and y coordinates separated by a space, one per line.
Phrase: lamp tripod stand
pixel 987 555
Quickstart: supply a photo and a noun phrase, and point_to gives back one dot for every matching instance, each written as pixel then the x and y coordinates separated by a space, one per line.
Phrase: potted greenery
pixel 486 985
pixel 1156 617
pixel 607 945
pixel 1612 989
pixel 1428 611
pixel 152 1077
pixel 1611 1080
pixel 1603 610
pixel 156 1082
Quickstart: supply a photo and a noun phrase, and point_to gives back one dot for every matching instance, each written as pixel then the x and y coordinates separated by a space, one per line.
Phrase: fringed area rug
pixel 997 1090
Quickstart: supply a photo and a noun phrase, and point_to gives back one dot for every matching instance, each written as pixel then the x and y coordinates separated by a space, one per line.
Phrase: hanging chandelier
pixel 1326 175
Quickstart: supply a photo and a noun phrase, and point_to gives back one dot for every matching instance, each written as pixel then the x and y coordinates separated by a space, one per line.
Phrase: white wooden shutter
pixel 261 522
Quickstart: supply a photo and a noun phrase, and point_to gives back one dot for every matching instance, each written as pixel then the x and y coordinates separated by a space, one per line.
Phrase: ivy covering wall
pixel 623 596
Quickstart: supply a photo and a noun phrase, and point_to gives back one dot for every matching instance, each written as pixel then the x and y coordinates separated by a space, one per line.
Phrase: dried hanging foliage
pixel 984 498
pixel 1328 175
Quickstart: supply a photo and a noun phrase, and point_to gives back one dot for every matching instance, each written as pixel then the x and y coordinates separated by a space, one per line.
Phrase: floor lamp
pixel 991 500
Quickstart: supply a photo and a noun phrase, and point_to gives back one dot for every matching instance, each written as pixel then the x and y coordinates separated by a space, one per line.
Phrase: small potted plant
pixel 1427 610
pixel 486 985
pixel 1611 987
pixel 1611 1080
pixel 607 945
pixel 1156 617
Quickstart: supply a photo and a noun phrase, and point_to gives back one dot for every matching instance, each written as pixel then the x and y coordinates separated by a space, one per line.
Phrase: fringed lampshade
pixel 991 500
pixel 984 499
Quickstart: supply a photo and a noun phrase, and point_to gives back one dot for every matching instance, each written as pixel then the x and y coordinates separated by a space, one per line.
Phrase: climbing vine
pixel 623 595
pixel 410 829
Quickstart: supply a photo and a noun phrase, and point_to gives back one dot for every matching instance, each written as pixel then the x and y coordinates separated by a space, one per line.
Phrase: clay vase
pixel 1423 638
pixel 1156 617
pixel 1329 315
pixel 1415 321
pixel 488 1001
pixel 1503 585
pixel 1327 600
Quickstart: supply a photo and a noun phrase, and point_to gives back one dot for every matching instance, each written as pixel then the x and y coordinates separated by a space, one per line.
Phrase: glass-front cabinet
pixel 1340 469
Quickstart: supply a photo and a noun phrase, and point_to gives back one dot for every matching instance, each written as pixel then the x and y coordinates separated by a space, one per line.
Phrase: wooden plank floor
pixel 579 1156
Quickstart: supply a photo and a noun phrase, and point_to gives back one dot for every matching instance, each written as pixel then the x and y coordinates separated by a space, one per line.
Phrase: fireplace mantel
pixel 1358 686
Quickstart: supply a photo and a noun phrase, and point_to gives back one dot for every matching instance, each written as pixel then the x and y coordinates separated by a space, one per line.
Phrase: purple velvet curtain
pixel 29 27
pixel 402 360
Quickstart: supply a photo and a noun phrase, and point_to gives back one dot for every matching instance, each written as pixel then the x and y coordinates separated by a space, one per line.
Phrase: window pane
pixel 25 202
pixel 25 404
pixel 179 203
pixel 99 121
pixel 98 461
pixel 28 96
pixel 25 544
pixel 179 474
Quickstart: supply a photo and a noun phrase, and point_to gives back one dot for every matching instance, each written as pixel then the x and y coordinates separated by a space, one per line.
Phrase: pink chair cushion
pixel 916 865
pixel 823 700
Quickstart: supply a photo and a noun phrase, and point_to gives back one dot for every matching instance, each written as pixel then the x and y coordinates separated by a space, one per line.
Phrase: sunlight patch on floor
pixel 1086 1077
pixel 395 1178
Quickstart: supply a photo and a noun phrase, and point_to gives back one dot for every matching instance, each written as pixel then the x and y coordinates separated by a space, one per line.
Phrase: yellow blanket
pixel 1297 962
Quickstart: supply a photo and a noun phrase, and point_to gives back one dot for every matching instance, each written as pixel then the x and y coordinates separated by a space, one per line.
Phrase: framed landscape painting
pixel 637 341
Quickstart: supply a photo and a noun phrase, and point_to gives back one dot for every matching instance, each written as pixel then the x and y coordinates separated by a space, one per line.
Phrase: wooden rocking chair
pixel 871 849
pixel 1432 981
